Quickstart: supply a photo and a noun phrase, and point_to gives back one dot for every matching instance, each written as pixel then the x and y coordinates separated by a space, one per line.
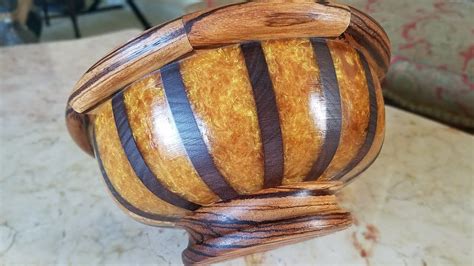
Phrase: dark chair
pixel 74 8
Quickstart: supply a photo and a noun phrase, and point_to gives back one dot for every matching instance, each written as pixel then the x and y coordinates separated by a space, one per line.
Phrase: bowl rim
pixel 215 28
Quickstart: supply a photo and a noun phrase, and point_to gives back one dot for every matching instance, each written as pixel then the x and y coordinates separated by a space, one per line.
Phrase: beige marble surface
pixel 414 206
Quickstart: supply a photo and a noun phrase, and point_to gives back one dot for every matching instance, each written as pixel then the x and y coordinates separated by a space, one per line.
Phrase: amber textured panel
pixel 119 171
pixel 355 105
pixel 379 134
pixel 221 96
pixel 159 143
pixel 295 78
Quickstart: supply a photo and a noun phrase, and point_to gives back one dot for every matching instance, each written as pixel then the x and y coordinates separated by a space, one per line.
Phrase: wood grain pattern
pixel 258 222
pixel 149 51
pixel 77 127
pixel 263 21
pixel 365 34
pixel 163 44
pixel 256 20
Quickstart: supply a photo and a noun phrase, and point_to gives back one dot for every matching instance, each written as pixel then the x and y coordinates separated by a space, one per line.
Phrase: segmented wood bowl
pixel 242 138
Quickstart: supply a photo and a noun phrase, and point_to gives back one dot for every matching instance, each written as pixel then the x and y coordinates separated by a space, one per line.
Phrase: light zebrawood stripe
pixel 362 37
pixel 265 21
pixel 137 162
pixel 372 125
pixel 378 30
pixel 267 112
pixel 116 59
pixel 150 51
pixel 190 134
pixel 144 37
pixel 117 195
pixel 330 89
pixel 371 39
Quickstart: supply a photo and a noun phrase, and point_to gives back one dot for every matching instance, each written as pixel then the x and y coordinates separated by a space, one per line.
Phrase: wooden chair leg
pixel 73 16
pixel 44 5
pixel 94 6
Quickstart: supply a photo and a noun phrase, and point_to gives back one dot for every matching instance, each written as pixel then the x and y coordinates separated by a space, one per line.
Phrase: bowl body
pixel 234 120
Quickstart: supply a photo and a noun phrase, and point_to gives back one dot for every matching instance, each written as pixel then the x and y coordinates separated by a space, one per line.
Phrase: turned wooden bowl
pixel 241 127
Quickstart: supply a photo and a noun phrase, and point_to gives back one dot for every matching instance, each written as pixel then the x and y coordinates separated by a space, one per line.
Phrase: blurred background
pixel 432 72
pixel 52 20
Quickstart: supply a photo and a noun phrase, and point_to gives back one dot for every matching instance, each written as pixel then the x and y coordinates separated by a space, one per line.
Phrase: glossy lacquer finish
pixel 235 120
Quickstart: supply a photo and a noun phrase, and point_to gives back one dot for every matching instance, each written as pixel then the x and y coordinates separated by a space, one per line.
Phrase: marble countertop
pixel 414 206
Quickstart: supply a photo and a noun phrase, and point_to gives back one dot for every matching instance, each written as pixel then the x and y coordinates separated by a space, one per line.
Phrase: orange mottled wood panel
pixel 354 105
pixel 220 94
pixel 205 128
pixel 378 138
pixel 159 142
pixel 120 173
pixel 299 103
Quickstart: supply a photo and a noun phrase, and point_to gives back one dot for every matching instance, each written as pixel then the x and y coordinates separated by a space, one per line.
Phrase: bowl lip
pixel 176 40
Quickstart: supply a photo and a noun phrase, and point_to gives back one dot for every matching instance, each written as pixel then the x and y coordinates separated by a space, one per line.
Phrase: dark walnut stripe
pixel 190 134
pixel 119 198
pixel 137 162
pixel 332 99
pixel 372 125
pixel 267 112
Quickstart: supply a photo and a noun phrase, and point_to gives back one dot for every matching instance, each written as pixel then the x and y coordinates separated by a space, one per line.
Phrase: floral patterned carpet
pixel 432 68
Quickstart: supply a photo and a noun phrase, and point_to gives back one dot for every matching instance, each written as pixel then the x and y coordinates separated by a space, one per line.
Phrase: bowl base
pixel 258 222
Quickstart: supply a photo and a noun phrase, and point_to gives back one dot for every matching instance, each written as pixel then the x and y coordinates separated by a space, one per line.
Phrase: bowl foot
pixel 270 218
